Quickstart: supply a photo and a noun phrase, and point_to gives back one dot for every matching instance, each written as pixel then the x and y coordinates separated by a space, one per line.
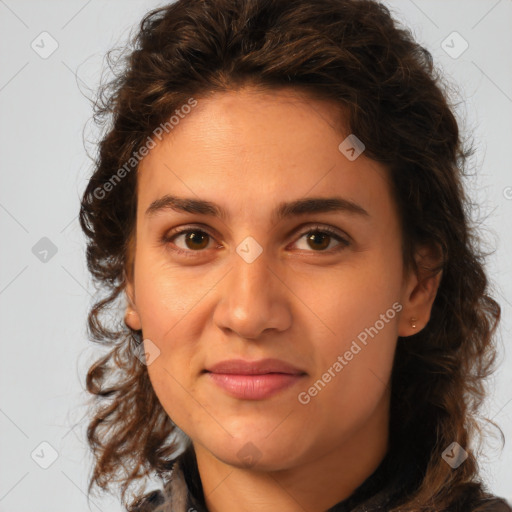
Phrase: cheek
pixel 353 372
pixel 356 312
pixel 168 300
pixel 162 294
pixel 176 395
pixel 352 296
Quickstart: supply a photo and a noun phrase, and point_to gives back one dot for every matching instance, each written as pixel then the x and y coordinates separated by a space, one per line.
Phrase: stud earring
pixel 413 322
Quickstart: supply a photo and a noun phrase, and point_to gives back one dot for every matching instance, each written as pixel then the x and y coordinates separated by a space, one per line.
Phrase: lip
pixel 261 367
pixel 254 380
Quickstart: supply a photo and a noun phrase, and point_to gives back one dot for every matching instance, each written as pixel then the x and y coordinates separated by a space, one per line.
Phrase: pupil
pixel 322 236
pixel 194 237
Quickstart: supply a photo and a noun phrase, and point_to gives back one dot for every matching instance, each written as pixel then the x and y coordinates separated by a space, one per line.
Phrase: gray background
pixel 43 304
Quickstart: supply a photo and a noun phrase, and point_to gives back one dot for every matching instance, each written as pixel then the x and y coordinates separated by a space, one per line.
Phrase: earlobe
pixel 420 292
pixel 132 319
pixel 131 316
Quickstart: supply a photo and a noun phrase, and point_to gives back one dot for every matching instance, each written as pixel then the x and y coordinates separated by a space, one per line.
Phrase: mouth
pixel 254 387
pixel 254 380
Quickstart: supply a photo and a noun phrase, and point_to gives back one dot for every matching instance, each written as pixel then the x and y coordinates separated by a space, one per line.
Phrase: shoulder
pixel 172 498
pixel 157 500
pixel 148 503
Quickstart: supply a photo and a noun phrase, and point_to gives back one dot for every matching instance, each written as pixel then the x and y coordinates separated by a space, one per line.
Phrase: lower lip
pixel 254 387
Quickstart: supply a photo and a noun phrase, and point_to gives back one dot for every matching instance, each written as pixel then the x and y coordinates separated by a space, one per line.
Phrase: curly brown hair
pixel 354 53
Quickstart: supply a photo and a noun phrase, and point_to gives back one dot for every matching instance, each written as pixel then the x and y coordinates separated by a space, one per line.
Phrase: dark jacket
pixel 183 492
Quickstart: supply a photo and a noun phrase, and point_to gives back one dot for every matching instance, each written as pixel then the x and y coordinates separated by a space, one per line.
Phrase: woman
pixel 255 371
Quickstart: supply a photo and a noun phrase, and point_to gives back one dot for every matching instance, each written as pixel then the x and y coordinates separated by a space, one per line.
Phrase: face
pixel 322 290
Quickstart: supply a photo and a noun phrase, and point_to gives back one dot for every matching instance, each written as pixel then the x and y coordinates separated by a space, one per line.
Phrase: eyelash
pixel 168 237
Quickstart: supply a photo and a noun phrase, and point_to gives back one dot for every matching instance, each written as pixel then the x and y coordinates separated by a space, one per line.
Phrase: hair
pixel 352 53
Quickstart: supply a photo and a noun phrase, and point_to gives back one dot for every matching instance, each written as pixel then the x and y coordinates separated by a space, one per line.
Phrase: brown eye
pixel 319 238
pixel 196 240
pixel 187 241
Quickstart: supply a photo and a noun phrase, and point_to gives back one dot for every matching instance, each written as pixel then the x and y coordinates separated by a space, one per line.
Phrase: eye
pixel 320 238
pixel 196 240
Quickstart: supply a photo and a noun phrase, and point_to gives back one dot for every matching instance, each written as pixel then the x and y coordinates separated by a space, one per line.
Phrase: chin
pixel 249 453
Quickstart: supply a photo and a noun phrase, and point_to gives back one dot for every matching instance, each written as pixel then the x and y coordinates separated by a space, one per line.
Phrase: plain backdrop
pixel 51 53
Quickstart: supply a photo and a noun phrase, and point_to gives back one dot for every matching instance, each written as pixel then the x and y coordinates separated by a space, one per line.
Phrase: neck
pixel 317 484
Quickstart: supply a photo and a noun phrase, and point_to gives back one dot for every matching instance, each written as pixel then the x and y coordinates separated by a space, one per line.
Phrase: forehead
pixel 250 118
pixel 252 147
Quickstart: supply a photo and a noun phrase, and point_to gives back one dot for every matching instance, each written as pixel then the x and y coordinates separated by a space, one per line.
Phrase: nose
pixel 253 299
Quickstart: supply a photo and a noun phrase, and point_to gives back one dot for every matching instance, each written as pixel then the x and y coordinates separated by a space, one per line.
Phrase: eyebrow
pixel 284 210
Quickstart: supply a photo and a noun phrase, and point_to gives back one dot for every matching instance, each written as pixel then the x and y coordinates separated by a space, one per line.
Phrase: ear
pixel 131 316
pixel 419 290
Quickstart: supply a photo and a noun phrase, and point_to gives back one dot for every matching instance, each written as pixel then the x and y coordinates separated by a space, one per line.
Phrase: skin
pixel 249 150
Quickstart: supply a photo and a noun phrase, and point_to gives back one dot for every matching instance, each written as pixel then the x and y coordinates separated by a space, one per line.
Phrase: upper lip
pixel 242 367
